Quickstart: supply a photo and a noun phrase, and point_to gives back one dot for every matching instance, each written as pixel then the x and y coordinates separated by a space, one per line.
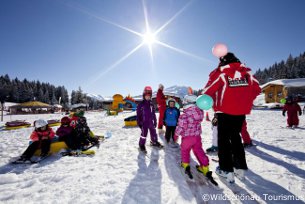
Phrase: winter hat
pixel 65 120
pixel 189 99
pixel 40 123
pixel 228 58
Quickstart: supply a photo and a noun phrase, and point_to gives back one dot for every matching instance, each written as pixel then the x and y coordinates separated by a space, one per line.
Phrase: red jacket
pixel 161 100
pixel 42 135
pixel 233 89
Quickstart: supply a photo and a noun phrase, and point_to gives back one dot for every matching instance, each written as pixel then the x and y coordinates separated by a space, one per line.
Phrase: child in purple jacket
pixel 146 119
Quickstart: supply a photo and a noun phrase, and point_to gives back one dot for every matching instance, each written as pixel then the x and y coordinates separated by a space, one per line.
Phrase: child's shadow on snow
pixel 271 159
pixel 293 154
pixel 263 187
pixel 145 187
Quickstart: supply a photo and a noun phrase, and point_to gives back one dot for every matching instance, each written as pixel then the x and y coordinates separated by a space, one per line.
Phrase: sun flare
pixel 149 38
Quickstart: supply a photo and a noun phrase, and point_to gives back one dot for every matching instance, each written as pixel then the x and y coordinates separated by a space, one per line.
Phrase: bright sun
pixel 149 38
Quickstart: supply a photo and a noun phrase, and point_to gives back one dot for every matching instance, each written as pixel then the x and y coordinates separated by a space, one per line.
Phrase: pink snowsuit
pixel 189 127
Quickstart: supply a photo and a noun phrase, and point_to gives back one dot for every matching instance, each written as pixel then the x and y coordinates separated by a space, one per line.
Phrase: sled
pixel 17 124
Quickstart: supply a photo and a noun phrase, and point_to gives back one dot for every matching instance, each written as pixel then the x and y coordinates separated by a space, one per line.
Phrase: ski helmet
pixel 147 91
pixel 65 120
pixel 82 120
pixel 40 123
pixel 189 99
pixel 171 100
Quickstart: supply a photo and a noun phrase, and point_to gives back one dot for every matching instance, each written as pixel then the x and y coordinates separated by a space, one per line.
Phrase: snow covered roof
pixel 79 105
pixel 300 82
pixel 32 104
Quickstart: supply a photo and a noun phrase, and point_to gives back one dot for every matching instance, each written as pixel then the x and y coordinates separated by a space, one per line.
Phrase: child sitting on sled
pixel 83 135
pixel 41 138
pixel 66 133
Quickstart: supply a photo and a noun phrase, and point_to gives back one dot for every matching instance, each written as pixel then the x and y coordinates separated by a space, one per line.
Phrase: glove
pixel 283 113
pixel 300 113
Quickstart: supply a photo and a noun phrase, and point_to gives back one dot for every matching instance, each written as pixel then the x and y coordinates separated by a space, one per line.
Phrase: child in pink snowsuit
pixel 189 127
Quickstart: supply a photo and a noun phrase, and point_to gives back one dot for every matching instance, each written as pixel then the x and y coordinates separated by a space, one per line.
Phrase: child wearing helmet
pixel 189 128
pixel 171 117
pixel 41 138
pixel 83 134
pixel 146 119
pixel 66 133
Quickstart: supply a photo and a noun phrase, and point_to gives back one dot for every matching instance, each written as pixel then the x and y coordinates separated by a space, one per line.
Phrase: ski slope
pixel 118 173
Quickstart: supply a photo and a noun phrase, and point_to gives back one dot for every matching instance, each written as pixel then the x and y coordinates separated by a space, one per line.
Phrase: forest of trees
pixel 293 67
pixel 15 90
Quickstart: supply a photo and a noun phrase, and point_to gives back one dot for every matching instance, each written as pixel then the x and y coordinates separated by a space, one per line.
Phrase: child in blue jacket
pixel 171 117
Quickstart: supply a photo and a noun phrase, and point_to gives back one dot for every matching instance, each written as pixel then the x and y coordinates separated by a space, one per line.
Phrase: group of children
pixel 188 126
pixel 73 131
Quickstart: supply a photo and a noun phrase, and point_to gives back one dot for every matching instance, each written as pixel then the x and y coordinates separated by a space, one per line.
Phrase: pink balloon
pixel 220 50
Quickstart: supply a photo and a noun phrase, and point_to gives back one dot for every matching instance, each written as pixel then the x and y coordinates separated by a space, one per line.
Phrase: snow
pixel 118 173
pixel 300 82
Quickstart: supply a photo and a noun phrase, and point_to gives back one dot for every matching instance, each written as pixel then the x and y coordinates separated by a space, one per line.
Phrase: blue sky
pixel 89 43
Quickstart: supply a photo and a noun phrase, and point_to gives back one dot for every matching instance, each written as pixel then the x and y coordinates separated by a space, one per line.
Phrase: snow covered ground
pixel 118 173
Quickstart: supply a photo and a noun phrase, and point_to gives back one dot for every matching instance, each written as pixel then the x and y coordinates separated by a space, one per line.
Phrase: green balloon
pixel 204 102
pixel 283 101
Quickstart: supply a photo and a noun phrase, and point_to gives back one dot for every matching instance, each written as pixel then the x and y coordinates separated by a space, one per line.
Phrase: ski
pixel 78 153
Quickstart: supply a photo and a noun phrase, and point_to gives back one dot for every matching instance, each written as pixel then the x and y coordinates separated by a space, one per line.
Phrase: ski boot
pixel 248 144
pixel 142 148
pixel 240 174
pixel 212 149
pixel 229 176
pixel 187 170
pixel 207 173
pixel 156 144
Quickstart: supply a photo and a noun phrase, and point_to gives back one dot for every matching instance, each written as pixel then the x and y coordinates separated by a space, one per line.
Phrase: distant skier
pixel 189 128
pixel 292 108
pixel 233 89
pixel 41 138
pixel 161 101
pixel 171 117
pixel 146 119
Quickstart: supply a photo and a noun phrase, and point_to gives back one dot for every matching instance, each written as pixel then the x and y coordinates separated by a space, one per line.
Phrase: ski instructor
pixel 233 89
pixel 161 101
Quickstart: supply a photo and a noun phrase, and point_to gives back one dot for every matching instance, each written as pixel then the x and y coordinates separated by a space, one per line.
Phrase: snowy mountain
pixel 179 91
pixel 96 97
